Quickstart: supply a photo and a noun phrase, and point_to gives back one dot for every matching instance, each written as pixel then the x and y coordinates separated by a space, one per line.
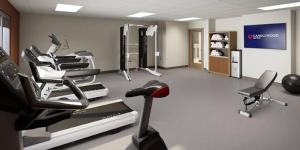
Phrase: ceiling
pixel 164 9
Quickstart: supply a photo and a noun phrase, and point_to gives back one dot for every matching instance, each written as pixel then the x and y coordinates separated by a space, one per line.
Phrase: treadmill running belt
pixel 82 88
pixel 81 73
pixel 91 115
pixel 74 65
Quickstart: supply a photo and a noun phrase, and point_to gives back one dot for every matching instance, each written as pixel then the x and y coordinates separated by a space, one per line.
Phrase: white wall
pixel 278 60
pixel 232 24
pixel 173 44
pixel 176 44
pixel 293 43
pixel 298 42
pixel 161 41
pixel 100 36
pixel 255 61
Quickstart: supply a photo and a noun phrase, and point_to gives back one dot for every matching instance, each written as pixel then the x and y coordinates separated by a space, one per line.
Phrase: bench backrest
pixel 266 80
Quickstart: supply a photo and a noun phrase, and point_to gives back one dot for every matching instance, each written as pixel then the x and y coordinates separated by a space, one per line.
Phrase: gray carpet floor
pixel 201 113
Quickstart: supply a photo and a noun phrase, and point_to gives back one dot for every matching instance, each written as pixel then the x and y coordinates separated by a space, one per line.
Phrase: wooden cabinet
pixel 224 44
pixel 219 65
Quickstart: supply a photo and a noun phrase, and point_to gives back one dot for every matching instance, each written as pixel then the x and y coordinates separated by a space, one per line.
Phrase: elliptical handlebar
pixel 54 40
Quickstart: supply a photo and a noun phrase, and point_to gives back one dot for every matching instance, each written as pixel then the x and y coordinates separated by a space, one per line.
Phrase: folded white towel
pixel 217 45
pixel 226 38
pixel 227 46
pixel 217 37
pixel 216 53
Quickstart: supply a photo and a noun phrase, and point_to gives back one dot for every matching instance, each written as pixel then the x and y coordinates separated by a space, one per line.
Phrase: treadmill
pixel 22 109
pixel 65 62
pixel 96 119
pixel 43 71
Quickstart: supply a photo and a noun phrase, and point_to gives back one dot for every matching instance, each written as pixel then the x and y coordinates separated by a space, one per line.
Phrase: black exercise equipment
pixel 78 60
pixel 58 59
pixel 30 57
pixel 21 108
pixel 291 83
pixel 142 48
pixel 62 62
pixel 42 71
pixel 256 93
pixel 125 54
pixel 64 120
pixel 148 138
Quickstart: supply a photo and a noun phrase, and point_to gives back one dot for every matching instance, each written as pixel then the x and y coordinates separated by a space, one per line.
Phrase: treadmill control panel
pixel 8 68
pixel 12 95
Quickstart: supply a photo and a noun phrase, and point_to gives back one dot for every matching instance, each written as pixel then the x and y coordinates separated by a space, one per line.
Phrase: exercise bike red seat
pixel 153 88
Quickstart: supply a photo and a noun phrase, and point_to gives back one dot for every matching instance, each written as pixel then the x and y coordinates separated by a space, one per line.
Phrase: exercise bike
pixel 147 138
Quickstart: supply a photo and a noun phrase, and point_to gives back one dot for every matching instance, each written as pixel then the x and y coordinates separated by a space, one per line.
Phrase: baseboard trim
pixel 114 71
pixel 175 67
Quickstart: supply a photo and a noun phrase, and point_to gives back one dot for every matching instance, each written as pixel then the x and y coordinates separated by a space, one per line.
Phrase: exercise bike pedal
pixel 246 114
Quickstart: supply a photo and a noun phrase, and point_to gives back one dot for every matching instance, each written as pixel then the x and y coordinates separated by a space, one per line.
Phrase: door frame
pixel 191 58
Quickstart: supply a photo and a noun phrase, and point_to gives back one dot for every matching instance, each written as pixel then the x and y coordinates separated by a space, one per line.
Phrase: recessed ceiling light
pixel 282 6
pixel 141 14
pixel 188 19
pixel 67 8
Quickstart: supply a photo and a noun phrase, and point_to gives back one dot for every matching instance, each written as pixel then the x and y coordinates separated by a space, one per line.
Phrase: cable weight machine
pixel 144 32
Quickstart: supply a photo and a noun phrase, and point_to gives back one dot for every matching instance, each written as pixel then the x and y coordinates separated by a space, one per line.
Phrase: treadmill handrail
pixel 37 51
pixel 62 104
pixel 38 78
pixel 65 57
pixel 29 56
pixel 54 60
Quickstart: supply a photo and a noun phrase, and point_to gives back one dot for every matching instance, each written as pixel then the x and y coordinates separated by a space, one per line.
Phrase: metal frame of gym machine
pixel 144 32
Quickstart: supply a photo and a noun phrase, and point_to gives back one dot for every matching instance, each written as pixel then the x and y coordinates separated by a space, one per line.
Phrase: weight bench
pixel 254 96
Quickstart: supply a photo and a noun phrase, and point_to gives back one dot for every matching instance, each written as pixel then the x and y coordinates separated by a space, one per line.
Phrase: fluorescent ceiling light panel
pixel 282 6
pixel 67 8
pixel 188 19
pixel 141 15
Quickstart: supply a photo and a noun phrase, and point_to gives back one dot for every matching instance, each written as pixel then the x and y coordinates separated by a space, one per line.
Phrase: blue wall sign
pixel 266 36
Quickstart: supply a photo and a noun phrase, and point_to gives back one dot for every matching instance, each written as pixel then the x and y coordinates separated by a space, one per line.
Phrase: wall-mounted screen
pixel 265 36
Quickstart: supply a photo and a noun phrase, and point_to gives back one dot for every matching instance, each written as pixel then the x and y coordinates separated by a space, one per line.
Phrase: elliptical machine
pixel 147 137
